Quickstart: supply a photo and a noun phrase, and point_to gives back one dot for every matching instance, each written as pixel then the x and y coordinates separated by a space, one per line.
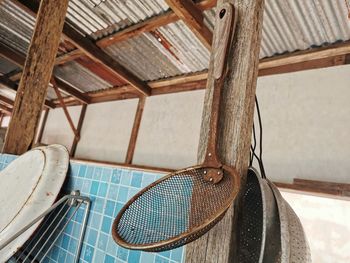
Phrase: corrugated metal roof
pixel 6 66
pixel 16 26
pixel 80 77
pixel 149 58
pixel 99 17
pixel 300 24
pixel 145 57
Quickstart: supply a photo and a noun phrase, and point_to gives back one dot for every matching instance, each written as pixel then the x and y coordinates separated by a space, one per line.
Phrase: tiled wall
pixel 108 188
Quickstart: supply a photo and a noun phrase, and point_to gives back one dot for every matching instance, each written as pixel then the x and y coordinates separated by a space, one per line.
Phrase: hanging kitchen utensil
pixel 259 236
pixel 184 205
pixel 295 247
pixel 285 238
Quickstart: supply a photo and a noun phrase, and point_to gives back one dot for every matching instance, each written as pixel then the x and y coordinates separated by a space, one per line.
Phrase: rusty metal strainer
pixel 259 230
pixel 294 244
pixel 184 205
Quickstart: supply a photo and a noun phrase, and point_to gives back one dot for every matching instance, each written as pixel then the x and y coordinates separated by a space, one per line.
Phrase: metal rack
pixel 55 222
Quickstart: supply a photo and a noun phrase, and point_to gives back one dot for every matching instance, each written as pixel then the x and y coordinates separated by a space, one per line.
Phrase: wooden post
pixel 236 121
pixel 36 76
pixel 43 124
pixel 80 125
pixel 135 130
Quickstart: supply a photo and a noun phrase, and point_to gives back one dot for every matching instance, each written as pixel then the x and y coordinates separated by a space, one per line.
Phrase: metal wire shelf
pixel 56 220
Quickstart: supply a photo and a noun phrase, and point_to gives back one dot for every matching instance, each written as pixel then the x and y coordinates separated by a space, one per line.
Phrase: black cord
pixel 253 147
pixel 260 160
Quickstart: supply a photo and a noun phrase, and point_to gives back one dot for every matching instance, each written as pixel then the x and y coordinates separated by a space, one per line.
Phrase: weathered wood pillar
pixel 36 76
pixel 236 121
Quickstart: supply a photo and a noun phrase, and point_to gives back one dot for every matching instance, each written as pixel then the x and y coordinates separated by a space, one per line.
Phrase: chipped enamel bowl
pixel 29 186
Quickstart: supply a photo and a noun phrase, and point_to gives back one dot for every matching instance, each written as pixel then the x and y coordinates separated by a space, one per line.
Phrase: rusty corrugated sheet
pixel 80 77
pixel 16 26
pixel 300 24
pixel 98 18
pixel 6 66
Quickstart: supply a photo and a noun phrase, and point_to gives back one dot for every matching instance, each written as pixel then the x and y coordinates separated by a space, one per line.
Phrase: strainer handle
pixel 225 23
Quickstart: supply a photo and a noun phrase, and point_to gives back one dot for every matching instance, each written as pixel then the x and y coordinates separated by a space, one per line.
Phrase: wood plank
pixel 72 55
pixel 6 109
pixel 135 130
pixel 193 17
pixel 6 101
pixel 318 188
pixel 148 25
pixel 80 125
pixel 65 110
pixel 66 87
pixel 37 71
pixel 306 55
pixel 236 122
pixel 42 127
pixel 90 49
pixel 305 65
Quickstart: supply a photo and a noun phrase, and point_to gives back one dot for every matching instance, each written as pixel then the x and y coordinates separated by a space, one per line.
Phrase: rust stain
pixel 165 43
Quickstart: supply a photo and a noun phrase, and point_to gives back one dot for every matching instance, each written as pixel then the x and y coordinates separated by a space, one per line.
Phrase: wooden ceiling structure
pixel 89 54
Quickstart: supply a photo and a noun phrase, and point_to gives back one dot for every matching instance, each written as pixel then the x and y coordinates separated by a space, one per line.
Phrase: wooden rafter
pixel 5 109
pixel 65 110
pixel 79 126
pixel 66 87
pixel 318 188
pixel 135 131
pixel 42 126
pixel 91 50
pixel 193 17
pixel 6 101
pixel 148 25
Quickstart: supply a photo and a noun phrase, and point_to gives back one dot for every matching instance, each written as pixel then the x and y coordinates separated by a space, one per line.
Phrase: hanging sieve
pixel 259 236
pixel 184 205
pixel 294 244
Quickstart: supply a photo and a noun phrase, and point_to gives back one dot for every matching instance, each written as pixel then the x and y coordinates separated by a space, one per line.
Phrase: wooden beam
pixel 148 25
pixel 12 55
pixel 80 125
pixel 42 127
pixel 5 109
pixel 36 75
pixel 188 12
pixel 135 130
pixel 6 101
pixel 306 55
pixel 65 110
pixel 306 65
pixel 72 55
pixel 236 122
pixel 319 188
pixel 66 87
pixel 90 49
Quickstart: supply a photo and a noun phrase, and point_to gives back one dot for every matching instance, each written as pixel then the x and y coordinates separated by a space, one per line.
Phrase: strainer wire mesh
pixel 173 211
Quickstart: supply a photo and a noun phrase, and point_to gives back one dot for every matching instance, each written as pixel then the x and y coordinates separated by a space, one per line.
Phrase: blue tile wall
pixel 109 189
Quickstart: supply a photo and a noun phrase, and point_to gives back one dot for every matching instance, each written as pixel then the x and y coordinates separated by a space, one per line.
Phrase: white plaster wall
pixel 57 129
pixel 306 121
pixel 106 131
pixel 169 131
pixel 326 225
